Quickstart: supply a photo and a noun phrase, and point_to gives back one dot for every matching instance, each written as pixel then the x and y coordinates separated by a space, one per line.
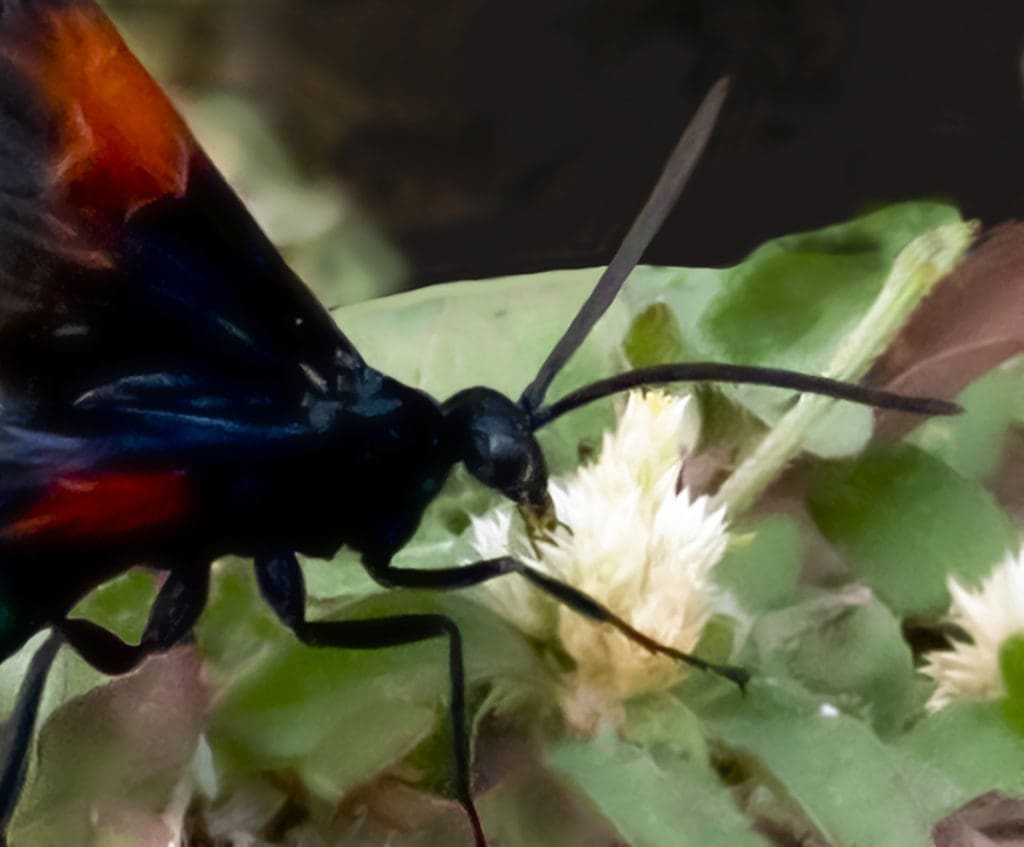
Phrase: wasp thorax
pixel 493 438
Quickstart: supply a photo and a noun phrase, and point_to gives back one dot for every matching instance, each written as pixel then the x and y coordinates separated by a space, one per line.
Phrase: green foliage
pixel 654 337
pixel 1011 669
pixel 291 707
pixel 762 567
pixel 906 521
pixel 830 767
pixel 771 308
pixel 972 443
pixel 846 647
pixel 971 749
pixel 651 803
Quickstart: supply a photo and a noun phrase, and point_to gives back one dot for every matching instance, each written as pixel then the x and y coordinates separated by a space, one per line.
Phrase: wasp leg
pixel 465 576
pixel 172 617
pixel 282 585
pixel 19 730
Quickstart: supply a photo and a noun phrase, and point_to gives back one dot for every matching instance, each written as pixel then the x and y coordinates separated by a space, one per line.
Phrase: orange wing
pixel 120 144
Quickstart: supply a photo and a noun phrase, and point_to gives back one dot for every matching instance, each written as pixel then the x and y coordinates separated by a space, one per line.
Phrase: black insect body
pixel 172 393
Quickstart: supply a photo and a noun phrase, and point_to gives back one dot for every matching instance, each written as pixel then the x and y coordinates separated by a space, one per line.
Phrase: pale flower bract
pixel 637 545
pixel 989 616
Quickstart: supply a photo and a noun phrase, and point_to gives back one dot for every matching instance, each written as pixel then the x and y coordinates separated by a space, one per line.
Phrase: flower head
pixel 635 544
pixel 989 615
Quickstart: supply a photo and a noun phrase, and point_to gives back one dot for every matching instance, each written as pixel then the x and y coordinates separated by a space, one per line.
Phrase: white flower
pixel 513 598
pixel 635 544
pixel 989 616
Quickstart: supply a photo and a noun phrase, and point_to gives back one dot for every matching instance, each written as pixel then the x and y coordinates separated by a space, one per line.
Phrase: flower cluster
pixel 636 543
pixel 988 616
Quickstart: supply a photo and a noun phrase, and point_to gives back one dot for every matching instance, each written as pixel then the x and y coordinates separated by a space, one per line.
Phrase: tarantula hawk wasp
pixel 171 392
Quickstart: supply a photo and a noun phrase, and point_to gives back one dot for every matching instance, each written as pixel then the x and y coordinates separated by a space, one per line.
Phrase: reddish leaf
pixel 991 820
pixel 973 321
pixel 111 759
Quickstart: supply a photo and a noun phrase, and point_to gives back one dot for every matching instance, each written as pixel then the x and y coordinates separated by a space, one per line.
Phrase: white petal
pixel 988 615
pixel 636 546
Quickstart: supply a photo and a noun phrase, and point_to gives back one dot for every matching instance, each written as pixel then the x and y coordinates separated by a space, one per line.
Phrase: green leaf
pixel 854 788
pixel 772 308
pixel 650 804
pixel 337 718
pixel 1011 665
pixel 121 605
pixel 762 567
pixel 1013 711
pixel 905 521
pixel 972 443
pixel 297 709
pixel 662 724
pixel 973 747
pixel 847 647
pixel 1011 668
pixel 236 622
pixel 654 337
pixel 915 271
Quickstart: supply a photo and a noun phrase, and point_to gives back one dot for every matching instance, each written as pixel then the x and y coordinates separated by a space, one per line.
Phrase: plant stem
pixel 921 264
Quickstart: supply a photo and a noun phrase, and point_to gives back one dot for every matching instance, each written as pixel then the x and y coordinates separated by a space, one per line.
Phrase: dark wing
pixel 123 252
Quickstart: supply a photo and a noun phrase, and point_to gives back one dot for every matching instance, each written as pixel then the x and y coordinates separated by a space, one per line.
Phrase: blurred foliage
pixel 321 233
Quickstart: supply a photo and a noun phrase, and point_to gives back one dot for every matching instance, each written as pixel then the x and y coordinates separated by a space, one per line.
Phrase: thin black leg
pixel 475 573
pixel 174 612
pixel 282 585
pixel 19 729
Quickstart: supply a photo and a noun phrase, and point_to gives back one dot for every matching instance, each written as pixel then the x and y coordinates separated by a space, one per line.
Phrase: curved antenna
pixel 746 374
pixel 670 185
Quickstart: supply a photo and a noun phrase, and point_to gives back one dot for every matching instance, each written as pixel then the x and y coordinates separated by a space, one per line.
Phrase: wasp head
pixel 494 439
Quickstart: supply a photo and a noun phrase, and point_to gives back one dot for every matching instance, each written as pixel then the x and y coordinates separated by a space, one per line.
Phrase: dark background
pixel 488 136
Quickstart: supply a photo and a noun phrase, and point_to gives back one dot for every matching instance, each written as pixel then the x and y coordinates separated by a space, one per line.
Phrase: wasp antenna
pixel 673 180
pixel 744 374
